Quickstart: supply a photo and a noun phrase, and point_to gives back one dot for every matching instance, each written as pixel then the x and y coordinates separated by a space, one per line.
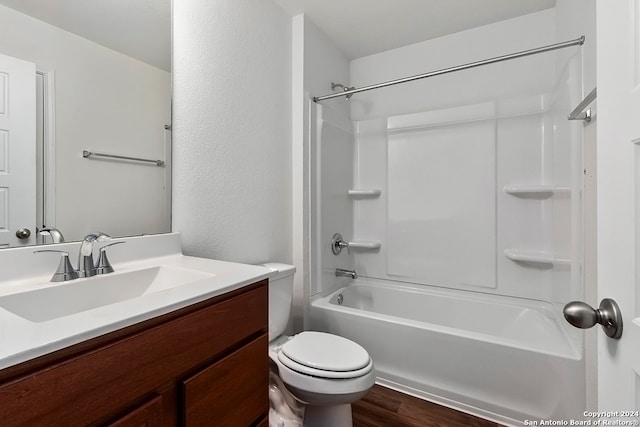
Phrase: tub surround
pixel 24 339
pixel 482 196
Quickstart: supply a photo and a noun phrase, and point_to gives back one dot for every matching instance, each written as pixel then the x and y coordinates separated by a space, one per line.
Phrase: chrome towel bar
pixel 579 113
pixel 87 154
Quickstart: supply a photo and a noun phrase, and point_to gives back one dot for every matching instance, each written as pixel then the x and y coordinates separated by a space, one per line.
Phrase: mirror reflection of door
pixel 17 152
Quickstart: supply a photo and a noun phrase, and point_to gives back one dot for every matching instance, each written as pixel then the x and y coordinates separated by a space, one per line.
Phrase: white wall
pixel 324 63
pixel 316 63
pixel 106 102
pixel 232 129
pixel 576 18
pixel 458 88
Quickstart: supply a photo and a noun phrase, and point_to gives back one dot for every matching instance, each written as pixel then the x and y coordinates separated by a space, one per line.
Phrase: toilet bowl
pixel 324 372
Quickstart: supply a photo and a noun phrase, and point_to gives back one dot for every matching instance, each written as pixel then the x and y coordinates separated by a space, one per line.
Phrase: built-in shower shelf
pixel 364 193
pixel 368 245
pixel 528 190
pixel 536 257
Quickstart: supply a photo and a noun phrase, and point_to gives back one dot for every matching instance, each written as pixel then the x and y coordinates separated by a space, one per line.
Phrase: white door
pixel 17 151
pixel 618 49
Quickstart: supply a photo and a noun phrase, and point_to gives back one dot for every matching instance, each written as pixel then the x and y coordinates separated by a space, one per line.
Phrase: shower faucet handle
pixel 338 243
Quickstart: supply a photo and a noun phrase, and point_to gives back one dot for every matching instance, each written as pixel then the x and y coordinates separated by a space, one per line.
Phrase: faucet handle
pixel 104 266
pixel 65 270
pixel 338 243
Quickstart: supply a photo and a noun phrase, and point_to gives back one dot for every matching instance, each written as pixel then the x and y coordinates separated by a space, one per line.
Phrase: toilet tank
pixel 280 296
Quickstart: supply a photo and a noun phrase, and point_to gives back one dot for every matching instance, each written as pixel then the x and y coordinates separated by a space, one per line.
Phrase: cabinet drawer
pixel 232 392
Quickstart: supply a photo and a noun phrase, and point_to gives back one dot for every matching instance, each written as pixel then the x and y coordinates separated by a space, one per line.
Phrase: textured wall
pixel 232 129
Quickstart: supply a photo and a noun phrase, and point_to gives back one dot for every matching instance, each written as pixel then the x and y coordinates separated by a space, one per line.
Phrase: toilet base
pixel 323 416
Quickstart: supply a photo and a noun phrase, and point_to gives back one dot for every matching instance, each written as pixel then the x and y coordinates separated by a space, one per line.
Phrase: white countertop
pixel 22 339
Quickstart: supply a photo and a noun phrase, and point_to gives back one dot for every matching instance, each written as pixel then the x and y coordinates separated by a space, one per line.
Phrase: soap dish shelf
pixel 365 245
pixel 536 257
pixel 364 193
pixel 535 190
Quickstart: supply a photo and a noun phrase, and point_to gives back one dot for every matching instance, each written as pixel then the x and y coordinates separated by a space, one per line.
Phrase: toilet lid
pixel 325 355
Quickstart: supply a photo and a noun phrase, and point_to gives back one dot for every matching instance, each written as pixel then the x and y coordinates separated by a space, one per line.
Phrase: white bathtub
pixel 496 357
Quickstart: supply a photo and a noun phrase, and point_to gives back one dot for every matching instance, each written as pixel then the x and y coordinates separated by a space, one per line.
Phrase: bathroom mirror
pixel 103 85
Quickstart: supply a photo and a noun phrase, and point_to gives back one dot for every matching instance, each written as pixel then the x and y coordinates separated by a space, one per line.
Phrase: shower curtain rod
pixel 578 41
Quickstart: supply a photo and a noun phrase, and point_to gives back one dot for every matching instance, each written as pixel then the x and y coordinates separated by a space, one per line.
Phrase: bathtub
pixel 499 358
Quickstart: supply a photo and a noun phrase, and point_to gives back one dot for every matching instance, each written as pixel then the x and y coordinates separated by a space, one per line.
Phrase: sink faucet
pixel 86 268
pixel 341 272
pixel 56 235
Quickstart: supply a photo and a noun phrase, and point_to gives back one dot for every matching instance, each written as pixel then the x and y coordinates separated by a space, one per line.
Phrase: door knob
pixel 23 233
pixel 582 315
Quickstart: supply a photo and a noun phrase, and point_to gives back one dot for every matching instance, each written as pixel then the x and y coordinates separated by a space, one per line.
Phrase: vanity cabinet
pixel 203 365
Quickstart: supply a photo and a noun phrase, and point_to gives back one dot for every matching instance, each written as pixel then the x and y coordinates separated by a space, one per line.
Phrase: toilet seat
pixel 320 373
pixel 325 356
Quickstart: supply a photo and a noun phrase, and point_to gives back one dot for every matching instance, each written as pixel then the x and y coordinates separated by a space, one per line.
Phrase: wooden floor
pixel 383 407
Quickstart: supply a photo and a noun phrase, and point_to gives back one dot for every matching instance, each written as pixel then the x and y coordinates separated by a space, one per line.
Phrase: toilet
pixel 324 372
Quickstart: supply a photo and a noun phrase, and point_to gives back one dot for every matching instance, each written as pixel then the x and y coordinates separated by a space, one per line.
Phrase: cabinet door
pixel 232 392
pixel 147 415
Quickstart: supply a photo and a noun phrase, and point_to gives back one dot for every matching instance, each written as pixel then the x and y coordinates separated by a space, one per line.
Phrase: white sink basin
pixel 80 295
pixel 152 278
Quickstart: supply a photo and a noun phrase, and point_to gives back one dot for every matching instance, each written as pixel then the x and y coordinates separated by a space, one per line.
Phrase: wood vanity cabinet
pixel 203 365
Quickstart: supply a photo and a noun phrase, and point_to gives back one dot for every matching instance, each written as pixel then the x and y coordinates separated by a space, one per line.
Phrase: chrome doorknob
pixel 583 316
pixel 23 233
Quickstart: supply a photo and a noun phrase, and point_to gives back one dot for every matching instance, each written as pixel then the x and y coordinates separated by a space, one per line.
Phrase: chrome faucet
pixel 86 267
pixel 54 233
pixel 341 272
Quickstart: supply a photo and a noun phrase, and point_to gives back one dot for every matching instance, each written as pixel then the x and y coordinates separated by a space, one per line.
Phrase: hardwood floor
pixel 383 407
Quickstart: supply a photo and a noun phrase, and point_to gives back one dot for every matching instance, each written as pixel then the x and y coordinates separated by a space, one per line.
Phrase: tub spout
pixel 341 272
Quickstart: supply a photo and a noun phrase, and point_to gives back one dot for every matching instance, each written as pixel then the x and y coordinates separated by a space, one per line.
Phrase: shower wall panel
pixel 441 225
pixel 450 206
pixel 335 159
